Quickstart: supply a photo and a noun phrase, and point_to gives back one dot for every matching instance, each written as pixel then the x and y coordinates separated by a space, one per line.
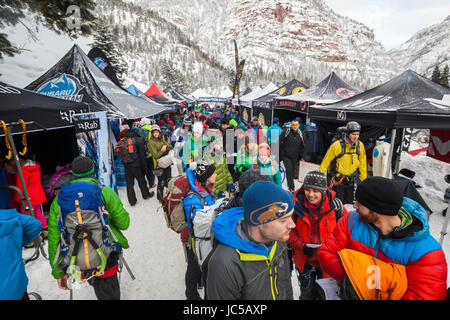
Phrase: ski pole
pixel 127 267
pixel 444 226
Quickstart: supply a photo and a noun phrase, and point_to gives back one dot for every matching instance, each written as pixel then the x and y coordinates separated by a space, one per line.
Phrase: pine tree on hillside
pixel 172 77
pixel 55 14
pixel 436 76
pixel 444 76
pixel 106 40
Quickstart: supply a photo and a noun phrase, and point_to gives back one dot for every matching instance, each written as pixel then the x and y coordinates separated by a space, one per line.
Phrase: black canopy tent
pixel 407 101
pixel 263 106
pixel 329 90
pixel 177 95
pixel 75 77
pixel 50 132
pixel 40 112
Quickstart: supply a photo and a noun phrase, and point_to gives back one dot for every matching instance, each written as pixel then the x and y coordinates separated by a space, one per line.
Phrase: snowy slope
pixel 156 255
pixel 427 48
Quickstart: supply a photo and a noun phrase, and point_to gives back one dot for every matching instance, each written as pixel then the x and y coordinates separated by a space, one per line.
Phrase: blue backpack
pixel 83 224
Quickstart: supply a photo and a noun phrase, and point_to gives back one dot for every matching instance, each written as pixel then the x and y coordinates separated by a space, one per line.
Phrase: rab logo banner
pixel 64 86
pixel 268 213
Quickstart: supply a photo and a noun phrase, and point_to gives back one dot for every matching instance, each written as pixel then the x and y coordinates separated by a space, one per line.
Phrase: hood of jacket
pixel 224 228
pixel 8 222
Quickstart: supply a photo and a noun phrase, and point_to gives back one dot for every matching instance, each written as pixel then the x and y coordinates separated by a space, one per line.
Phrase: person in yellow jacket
pixel 345 167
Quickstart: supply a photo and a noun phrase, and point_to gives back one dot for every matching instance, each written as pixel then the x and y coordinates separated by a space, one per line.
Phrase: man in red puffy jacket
pixel 394 229
pixel 316 212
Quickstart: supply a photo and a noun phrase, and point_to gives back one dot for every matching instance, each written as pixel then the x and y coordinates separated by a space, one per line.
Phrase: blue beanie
pixel 264 201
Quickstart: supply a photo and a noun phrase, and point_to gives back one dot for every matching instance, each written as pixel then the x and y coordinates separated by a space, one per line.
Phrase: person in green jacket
pixel 246 155
pixel 193 148
pixel 105 287
pixel 214 154
pixel 157 146
pixel 267 164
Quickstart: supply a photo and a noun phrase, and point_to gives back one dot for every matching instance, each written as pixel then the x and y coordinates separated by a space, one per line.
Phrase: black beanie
pixel 204 170
pixel 82 165
pixel 381 195
pixel 250 176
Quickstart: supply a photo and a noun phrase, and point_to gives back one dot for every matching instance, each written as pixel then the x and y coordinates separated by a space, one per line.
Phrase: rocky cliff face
pixel 284 35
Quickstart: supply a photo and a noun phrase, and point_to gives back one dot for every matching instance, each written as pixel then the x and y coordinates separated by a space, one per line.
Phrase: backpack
pixel 177 188
pixel 83 224
pixel 333 167
pixel 126 148
pixel 202 235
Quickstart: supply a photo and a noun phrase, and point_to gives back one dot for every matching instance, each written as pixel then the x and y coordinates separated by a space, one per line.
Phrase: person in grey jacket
pixel 251 260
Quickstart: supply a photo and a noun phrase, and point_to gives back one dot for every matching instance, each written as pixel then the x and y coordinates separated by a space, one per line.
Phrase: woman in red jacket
pixel 394 229
pixel 316 211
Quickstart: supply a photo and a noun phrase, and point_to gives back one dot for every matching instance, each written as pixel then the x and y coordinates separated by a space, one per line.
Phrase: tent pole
pixel 399 153
pixel 307 113
pixel 271 120
pixel 391 149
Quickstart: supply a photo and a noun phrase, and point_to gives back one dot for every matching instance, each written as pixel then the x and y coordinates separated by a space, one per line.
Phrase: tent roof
pixel 246 100
pixel 291 87
pixel 329 90
pixel 408 100
pixel 200 93
pixel 175 94
pixel 226 93
pixel 157 95
pixel 77 75
pixel 46 112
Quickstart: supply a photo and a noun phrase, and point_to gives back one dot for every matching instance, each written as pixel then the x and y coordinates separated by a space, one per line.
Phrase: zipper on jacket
pixel 377 245
pixel 272 286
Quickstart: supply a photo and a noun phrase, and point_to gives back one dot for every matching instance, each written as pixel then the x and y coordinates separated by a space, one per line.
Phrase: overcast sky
pixel 393 21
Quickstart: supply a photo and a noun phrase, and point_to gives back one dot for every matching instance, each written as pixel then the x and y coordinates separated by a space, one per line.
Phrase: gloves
pixel 308 250
pixel 231 188
pixel 184 234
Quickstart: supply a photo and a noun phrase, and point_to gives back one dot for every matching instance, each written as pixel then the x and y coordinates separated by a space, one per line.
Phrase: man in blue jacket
pixel 201 178
pixel 251 260
pixel 16 231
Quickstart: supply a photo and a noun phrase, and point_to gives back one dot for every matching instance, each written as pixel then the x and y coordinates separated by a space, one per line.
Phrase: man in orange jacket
pixel 393 228
pixel 316 211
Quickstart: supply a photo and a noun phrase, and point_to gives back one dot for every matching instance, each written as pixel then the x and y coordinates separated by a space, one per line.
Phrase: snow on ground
pixel 157 259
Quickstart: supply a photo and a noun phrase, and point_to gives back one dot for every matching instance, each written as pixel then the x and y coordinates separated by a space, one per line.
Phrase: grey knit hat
pixel 315 180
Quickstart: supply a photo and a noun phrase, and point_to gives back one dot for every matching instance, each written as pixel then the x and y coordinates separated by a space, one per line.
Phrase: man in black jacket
pixel 136 167
pixel 292 146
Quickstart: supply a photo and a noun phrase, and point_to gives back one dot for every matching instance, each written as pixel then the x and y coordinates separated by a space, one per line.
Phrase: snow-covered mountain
pixel 427 48
pixel 280 40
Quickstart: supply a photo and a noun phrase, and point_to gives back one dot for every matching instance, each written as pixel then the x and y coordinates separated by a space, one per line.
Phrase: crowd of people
pixel 260 232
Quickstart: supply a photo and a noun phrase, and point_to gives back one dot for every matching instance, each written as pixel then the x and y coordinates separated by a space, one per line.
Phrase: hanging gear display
pixel 8 146
pixel 24 137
